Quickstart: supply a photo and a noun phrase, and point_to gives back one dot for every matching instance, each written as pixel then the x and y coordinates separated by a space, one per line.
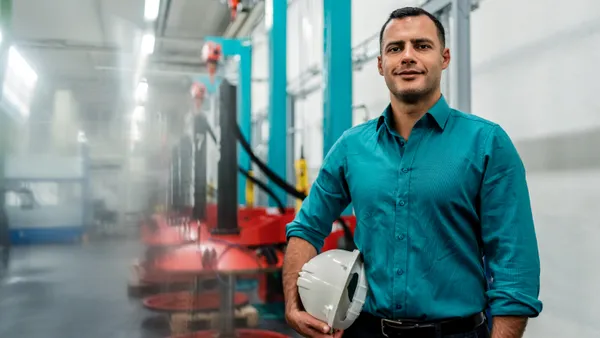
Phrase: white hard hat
pixel 333 287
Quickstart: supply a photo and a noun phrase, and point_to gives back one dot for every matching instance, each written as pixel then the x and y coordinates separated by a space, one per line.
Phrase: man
pixel 434 190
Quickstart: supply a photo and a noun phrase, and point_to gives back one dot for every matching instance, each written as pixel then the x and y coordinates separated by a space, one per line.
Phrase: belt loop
pixel 438 330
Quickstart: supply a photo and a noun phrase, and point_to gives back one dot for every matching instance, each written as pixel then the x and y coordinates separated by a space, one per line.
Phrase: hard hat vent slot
pixel 351 288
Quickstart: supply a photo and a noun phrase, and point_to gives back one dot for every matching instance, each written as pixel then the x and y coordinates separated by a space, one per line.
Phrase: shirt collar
pixel 440 113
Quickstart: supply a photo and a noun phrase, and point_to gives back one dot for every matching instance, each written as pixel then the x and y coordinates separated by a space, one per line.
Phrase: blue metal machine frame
pixel 337 72
pixel 243 49
pixel 276 25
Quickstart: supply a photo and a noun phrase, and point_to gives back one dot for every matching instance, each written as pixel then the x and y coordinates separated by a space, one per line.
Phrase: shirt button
pixel 402 203
pixel 398 307
pixel 404 170
pixel 400 237
pixel 400 272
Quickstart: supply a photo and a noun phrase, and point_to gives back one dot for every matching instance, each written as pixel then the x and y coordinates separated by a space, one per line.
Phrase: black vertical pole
pixel 176 179
pixel 227 214
pixel 5 124
pixel 172 181
pixel 187 154
pixel 180 197
pixel 200 163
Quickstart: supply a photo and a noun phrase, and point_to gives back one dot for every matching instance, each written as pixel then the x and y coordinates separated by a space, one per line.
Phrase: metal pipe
pixel 461 36
pixel 165 18
pixel 227 323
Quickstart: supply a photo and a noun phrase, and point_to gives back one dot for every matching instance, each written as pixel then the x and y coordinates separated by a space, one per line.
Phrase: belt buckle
pixel 383 321
pixel 397 325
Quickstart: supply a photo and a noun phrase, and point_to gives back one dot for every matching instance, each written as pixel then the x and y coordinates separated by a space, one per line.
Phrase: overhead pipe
pixel 161 24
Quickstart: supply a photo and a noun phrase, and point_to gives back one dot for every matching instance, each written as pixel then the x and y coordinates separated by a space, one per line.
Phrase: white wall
pixel 260 70
pixel 535 72
pixel 65 121
pixel 305 50
pixel 527 74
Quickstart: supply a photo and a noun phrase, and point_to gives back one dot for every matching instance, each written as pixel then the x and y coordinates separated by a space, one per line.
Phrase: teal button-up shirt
pixel 428 209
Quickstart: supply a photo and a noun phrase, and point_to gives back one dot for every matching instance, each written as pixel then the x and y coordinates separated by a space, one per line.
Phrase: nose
pixel 408 56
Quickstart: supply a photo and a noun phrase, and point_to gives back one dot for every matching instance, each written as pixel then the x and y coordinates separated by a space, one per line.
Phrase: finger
pixel 317 324
pixel 309 331
pixel 338 334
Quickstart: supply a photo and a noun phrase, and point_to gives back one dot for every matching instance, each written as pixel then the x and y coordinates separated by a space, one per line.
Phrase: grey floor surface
pixel 76 291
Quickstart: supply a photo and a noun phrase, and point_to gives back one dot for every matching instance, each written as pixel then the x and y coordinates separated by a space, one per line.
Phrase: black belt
pixel 402 328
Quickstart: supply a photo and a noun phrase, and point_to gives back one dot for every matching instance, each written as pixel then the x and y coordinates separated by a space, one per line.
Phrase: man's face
pixel 412 58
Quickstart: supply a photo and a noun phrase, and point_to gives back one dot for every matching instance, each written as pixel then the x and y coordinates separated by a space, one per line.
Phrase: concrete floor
pixel 76 291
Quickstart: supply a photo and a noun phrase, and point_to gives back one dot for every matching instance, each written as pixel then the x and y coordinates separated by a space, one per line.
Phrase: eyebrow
pixel 414 41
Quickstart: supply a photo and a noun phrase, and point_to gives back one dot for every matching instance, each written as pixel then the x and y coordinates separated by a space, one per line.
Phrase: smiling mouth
pixel 409 73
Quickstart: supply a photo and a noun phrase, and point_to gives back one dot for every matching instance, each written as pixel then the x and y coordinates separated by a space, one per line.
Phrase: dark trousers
pixel 366 329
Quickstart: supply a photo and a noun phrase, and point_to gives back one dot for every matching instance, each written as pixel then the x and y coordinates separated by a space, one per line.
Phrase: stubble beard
pixel 413 96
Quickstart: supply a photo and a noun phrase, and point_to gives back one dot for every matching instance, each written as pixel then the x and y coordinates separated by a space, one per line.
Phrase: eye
pixel 394 49
pixel 423 46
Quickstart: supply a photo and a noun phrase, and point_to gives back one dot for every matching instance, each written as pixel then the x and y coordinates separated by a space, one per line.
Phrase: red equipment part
pixel 186 301
pixel 212 255
pixel 239 333
pixel 198 92
pixel 212 53
pixel 258 226
pixel 233 5
pixel 337 233
pixel 170 236
pixel 156 231
pixel 155 277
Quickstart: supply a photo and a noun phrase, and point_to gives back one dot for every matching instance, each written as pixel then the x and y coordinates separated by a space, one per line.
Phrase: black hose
pixel 270 174
pixel 260 184
pixel 287 187
pixel 264 187
pixel 279 182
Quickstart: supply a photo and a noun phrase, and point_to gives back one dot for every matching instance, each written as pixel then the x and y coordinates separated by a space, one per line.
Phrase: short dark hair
pixel 413 11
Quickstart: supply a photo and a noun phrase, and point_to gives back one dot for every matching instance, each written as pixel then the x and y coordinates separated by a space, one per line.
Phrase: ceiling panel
pixel 196 18
pixel 65 19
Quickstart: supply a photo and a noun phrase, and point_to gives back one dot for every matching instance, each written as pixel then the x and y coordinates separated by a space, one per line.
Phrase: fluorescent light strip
pixel 151 10
pixel 147 44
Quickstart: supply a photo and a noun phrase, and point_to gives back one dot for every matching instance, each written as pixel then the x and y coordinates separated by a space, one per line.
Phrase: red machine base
pixel 239 333
pixel 186 301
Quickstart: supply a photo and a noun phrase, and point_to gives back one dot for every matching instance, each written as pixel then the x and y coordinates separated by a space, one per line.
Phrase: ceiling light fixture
pixel 151 10
pixel 141 91
pixel 147 44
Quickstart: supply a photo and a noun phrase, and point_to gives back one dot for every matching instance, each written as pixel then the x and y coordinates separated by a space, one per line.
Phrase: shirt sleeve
pixel 508 233
pixel 326 200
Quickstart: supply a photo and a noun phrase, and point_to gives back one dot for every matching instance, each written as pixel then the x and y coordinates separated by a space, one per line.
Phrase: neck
pixel 406 114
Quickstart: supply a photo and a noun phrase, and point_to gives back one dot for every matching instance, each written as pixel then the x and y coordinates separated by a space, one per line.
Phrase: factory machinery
pixel 198 255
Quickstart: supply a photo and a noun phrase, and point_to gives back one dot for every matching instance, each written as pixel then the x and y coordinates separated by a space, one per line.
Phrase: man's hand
pixel 308 326
pixel 508 327
pixel 297 253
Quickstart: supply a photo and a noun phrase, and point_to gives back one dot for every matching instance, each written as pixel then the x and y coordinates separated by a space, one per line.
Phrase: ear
pixel 445 58
pixel 379 66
